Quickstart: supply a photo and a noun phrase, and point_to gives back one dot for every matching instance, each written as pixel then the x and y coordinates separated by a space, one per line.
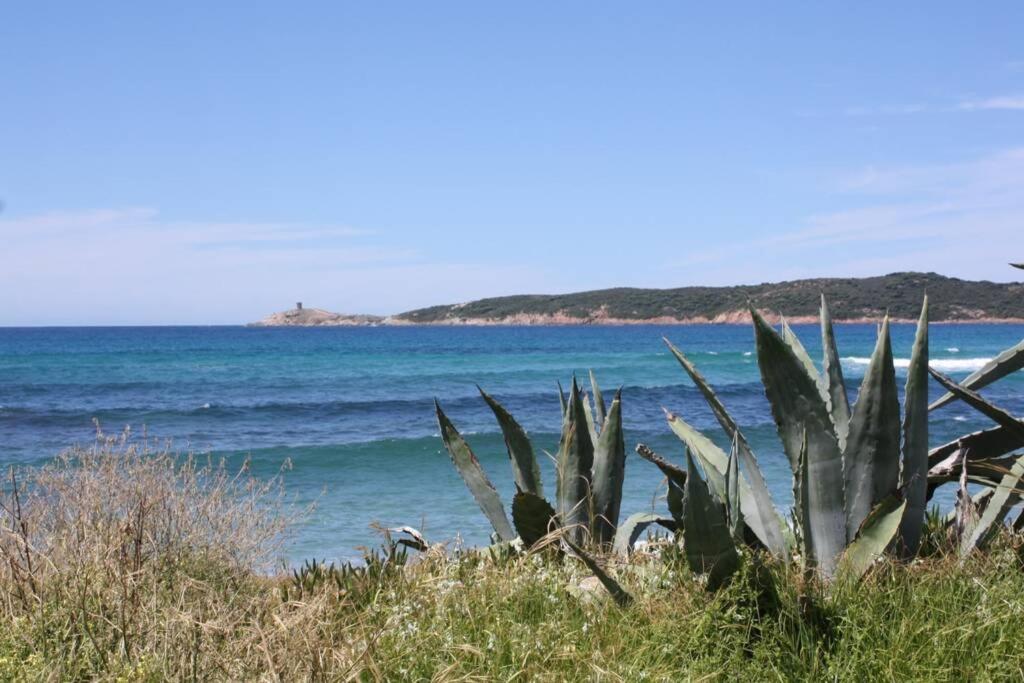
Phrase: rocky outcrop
pixel 315 317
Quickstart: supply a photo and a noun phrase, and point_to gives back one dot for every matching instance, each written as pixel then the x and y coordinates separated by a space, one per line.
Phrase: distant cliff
pixel 850 299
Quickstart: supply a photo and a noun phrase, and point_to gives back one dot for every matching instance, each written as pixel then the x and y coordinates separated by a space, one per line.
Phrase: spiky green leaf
pixel 469 468
pixel 574 465
pixel 871 460
pixel 789 336
pixel 760 512
pixel 630 530
pixel 982 445
pixel 973 399
pixel 801 415
pixel 732 494
pixel 533 517
pixel 1010 360
pixel 873 537
pixel 675 474
pixel 1004 496
pixel 608 474
pixel 525 470
pixel 835 386
pixel 914 471
pixel 708 544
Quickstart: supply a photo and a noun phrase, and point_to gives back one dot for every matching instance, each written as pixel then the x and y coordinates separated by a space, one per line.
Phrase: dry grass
pixel 123 562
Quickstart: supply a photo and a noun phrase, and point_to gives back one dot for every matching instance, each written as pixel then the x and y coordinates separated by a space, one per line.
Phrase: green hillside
pixel 849 298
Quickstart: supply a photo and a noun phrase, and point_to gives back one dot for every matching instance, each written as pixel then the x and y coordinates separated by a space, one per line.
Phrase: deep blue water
pixel 352 407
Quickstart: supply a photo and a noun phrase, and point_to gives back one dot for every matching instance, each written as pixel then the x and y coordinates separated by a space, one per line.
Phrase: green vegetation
pixel 589 467
pixel 850 298
pixel 148 567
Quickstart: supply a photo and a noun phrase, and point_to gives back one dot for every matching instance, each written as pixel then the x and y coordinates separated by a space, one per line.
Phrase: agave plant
pixel 855 488
pixel 590 467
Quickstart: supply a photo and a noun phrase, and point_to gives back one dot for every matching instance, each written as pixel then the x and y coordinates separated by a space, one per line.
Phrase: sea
pixel 350 410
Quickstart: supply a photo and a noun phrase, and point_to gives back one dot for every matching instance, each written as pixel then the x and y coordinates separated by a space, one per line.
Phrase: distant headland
pixel 850 299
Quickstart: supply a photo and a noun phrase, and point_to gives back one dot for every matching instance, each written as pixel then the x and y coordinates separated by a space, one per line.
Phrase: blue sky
pixel 184 163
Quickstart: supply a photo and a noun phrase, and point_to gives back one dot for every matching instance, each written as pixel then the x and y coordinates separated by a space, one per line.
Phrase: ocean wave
pixel 947 364
pixel 953 349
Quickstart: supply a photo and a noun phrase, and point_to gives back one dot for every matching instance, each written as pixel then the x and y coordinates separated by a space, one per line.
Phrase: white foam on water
pixel 947 364
pixel 205 406
pixel 748 353
pixel 712 353
pixel 953 349
pixel 960 418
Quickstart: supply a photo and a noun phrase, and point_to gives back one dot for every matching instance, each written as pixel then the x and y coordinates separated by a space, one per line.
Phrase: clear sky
pixel 213 162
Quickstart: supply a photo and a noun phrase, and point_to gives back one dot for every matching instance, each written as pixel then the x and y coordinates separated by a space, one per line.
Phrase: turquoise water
pixel 352 407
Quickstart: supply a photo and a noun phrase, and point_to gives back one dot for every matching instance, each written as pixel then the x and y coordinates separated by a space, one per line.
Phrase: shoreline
pixel 552 321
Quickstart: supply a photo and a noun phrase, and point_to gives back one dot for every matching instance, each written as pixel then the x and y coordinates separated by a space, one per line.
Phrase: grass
pixel 132 564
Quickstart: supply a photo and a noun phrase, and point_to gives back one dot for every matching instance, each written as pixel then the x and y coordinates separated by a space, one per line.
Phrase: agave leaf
pixel 674 498
pixel 979 501
pixel 708 544
pixel 600 410
pixel 835 386
pixel 971 398
pixel 1004 497
pixel 732 494
pixel 760 512
pixel 618 593
pixel 873 537
pixel 525 470
pixel 789 336
pixel 575 463
pixel 985 472
pixel 1010 360
pixel 629 531
pixel 967 513
pixel 588 414
pixel 801 507
pixel 871 461
pixel 533 517
pixel 801 416
pixel 985 444
pixel 914 473
pixel 561 400
pixel 1018 265
pixel 479 485
pixel 609 472
pixel 675 474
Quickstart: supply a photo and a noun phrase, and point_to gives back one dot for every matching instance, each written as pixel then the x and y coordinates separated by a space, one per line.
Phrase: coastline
pixel 529 320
